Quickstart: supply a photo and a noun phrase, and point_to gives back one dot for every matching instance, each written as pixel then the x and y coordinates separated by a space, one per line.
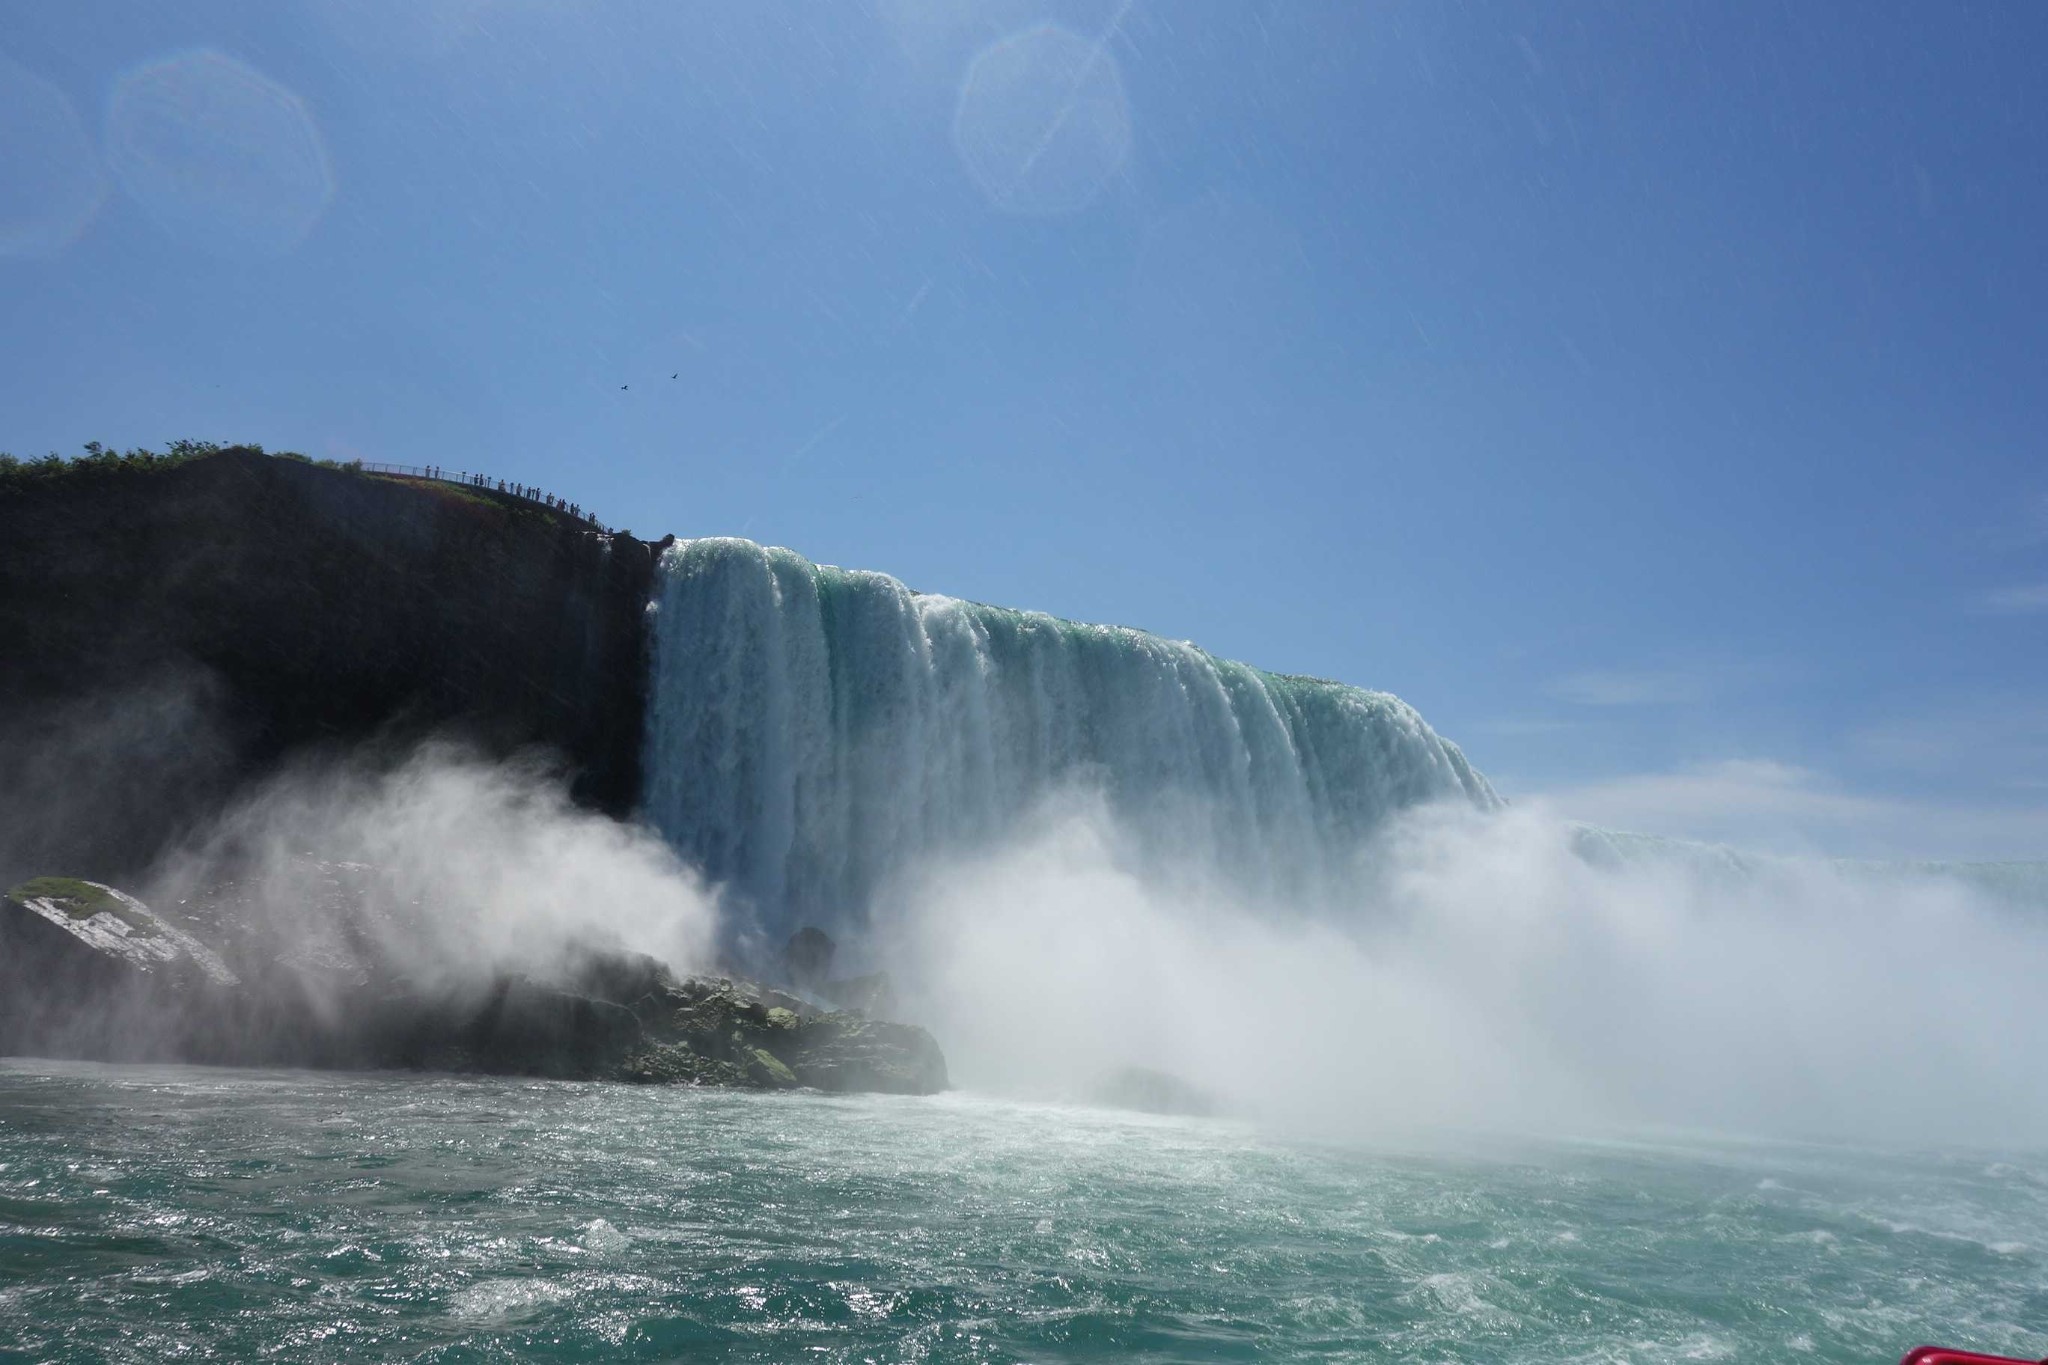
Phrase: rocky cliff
pixel 173 631
pixel 167 633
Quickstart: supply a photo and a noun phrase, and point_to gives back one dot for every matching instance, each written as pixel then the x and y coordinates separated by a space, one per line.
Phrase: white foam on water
pixel 497 1301
pixel 601 1237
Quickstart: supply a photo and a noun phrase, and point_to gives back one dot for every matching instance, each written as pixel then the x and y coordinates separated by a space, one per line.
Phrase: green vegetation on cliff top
pixel 17 475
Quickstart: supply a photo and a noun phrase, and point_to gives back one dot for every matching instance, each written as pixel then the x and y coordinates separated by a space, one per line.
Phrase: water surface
pixel 151 1213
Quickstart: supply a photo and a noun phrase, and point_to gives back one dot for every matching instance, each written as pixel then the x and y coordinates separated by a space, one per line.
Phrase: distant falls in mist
pixel 814 731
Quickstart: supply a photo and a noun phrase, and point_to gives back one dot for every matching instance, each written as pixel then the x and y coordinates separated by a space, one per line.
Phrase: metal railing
pixel 485 483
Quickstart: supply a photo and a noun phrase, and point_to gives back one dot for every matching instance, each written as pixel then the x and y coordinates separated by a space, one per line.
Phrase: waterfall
pixel 813 731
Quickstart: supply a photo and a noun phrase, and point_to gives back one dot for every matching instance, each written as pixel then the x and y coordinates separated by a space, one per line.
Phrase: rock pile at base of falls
pixel 728 1032
pixel 89 971
pixel 1150 1091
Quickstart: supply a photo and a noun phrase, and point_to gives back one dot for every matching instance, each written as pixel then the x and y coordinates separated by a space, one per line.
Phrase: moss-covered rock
pixel 767 1069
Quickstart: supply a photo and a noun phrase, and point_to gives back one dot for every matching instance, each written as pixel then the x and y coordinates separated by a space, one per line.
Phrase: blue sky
pixel 1653 394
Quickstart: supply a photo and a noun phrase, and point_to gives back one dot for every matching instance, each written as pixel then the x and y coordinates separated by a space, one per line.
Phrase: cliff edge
pixel 169 632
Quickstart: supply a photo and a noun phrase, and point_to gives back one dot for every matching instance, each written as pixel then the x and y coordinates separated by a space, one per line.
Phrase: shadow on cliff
pixel 175 633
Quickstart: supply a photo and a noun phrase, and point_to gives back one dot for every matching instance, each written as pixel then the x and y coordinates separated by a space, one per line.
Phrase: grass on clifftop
pixel 19 476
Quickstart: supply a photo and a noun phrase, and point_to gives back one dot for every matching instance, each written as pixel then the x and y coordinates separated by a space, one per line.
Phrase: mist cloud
pixel 445 867
pixel 1775 807
pixel 1487 975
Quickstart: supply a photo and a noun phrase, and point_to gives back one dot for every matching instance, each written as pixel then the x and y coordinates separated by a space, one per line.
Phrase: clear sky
pixel 1652 394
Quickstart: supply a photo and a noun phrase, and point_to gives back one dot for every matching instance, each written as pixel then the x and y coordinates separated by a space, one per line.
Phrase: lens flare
pixel 219 155
pixel 1043 124
pixel 51 184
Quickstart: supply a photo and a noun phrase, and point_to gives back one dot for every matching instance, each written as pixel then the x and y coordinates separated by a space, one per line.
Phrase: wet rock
pixel 724 1031
pixel 765 1069
pixel 808 956
pixel 680 1064
pixel 1153 1092
pixel 846 1052
pixel 873 994
pixel 620 977
pixel 536 1029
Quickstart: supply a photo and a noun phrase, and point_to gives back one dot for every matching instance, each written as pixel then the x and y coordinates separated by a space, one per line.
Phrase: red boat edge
pixel 1937 1355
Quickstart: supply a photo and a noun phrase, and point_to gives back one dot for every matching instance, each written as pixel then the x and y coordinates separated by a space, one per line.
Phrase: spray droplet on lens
pixel 51 185
pixel 218 154
pixel 1043 123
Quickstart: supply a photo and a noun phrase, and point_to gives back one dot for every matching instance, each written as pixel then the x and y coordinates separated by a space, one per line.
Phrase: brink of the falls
pixel 814 732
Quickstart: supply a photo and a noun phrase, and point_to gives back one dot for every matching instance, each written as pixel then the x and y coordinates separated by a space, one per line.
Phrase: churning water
pixel 153 1213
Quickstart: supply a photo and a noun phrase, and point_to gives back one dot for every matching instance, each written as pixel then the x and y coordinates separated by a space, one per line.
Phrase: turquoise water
pixel 152 1213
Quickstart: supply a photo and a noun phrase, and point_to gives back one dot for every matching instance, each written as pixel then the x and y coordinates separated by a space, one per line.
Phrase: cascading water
pixel 814 731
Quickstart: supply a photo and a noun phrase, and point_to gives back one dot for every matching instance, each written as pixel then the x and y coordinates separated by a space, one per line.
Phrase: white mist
pixel 1485 974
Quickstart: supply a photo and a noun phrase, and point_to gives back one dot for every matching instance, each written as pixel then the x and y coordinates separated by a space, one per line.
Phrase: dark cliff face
pixel 167 634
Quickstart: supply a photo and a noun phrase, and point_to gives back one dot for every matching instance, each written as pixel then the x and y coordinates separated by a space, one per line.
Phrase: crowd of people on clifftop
pixel 517 490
